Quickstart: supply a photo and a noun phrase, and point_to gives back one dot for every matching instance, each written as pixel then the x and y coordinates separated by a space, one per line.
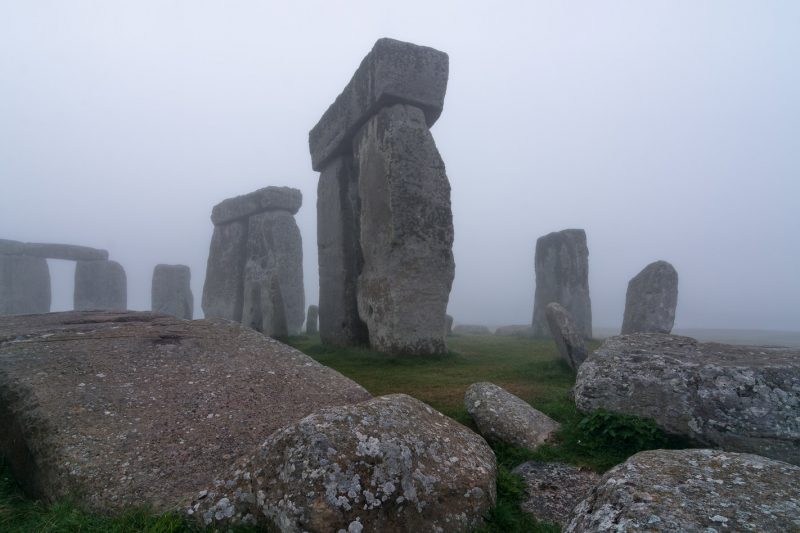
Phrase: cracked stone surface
pixel 554 489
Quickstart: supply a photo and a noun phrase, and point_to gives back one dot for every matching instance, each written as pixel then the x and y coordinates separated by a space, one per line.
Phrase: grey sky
pixel 667 130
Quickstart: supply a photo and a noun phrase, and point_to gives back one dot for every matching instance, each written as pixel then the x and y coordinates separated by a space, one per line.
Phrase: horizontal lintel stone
pixel 266 199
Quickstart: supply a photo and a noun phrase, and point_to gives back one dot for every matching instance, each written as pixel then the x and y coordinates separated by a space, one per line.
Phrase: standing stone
pixel 651 300
pixel 100 285
pixel 311 320
pixel 568 338
pixel 406 233
pixel 224 284
pixel 171 292
pixel 24 285
pixel 339 254
pixel 562 276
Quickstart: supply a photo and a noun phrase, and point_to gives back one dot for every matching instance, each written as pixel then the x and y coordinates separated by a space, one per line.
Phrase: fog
pixel 667 130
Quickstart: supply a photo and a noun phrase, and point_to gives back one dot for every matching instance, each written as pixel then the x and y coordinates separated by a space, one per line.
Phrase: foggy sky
pixel 667 130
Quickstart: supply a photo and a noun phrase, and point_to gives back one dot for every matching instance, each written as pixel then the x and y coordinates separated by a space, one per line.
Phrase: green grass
pixel 530 369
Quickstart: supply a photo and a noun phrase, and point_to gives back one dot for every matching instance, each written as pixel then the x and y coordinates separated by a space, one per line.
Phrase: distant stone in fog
pixel 24 285
pixel 311 320
pixel 562 276
pixel 100 285
pixel 171 292
pixel 651 300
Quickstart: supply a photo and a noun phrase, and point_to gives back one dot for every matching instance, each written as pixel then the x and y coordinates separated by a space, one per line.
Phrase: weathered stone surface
pixel 24 285
pixel 739 398
pixel 171 292
pixel 339 254
pixel 693 491
pixel 130 409
pixel 566 335
pixel 516 330
pixel 562 276
pixel 100 285
pixel 554 489
pixel 223 289
pixel 67 252
pixel 448 325
pixel 311 320
pixel 406 233
pixel 266 199
pixel 393 72
pixel 501 416
pixel 471 329
pixel 651 300
pixel 273 275
pixel 387 464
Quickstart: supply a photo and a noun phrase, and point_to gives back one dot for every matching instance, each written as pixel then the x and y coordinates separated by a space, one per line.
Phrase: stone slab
pixel 100 285
pixel 171 292
pixel 67 252
pixel 24 285
pixel 224 284
pixel 568 339
pixel 266 199
pixel 651 300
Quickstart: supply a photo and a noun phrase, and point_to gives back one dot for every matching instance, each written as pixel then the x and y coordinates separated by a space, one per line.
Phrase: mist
pixel 666 130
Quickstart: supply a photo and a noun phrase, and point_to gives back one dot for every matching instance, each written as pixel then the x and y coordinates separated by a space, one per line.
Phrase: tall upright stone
pixel 24 285
pixel 651 300
pixel 224 285
pixel 385 230
pixel 100 285
pixel 562 276
pixel 171 292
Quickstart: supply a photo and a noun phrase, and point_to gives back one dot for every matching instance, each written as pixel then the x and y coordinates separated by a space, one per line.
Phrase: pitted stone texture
pixel 339 254
pixel 171 292
pixel 266 199
pixel 311 320
pixel 651 300
pixel 562 276
pixel 24 285
pixel 739 398
pixel 100 285
pixel 387 464
pixel 693 491
pixel 471 329
pixel 554 489
pixel 393 72
pixel 273 275
pixel 516 330
pixel 68 252
pixel 503 417
pixel 131 409
pixel 406 233
pixel 224 284
pixel 566 335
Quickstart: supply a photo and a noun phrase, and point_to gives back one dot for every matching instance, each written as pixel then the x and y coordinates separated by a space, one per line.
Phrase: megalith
pixel 385 228
pixel 171 291
pixel 100 285
pixel 562 276
pixel 651 300
pixel 312 319
pixel 566 336
pixel 24 285
pixel 255 263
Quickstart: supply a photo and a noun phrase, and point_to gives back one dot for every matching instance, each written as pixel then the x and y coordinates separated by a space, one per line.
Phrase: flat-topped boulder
pixel 68 252
pixel 266 199
pixel 696 491
pixel 130 409
pixel 393 72
pixel 739 398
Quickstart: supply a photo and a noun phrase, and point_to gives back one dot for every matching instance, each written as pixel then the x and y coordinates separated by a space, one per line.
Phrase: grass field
pixel 528 368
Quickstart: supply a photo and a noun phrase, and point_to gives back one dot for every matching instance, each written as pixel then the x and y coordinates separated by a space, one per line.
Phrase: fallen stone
pixel 223 289
pixel 311 320
pixel 67 252
pixel 393 72
pixel 448 321
pixel 739 398
pixel 171 292
pixel 24 285
pixel 137 409
pixel 339 255
pixel 406 233
pixel 562 276
pixel 516 330
pixel 692 491
pixel 388 464
pixel 100 285
pixel 566 335
pixel 554 489
pixel 247 205
pixel 471 329
pixel 651 300
pixel 503 417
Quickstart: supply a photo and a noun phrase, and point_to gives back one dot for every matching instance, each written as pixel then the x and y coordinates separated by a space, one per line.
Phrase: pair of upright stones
pixel 384 223
pixel 255 264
